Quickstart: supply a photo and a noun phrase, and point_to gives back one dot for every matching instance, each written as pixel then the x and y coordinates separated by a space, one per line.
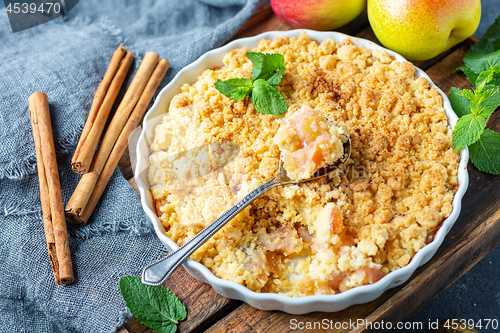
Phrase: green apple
pixel 422 29
pixel 317 14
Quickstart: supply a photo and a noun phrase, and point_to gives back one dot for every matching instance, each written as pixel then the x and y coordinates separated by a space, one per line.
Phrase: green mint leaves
pixel 267 72
pixel 155 307
pixel 474 107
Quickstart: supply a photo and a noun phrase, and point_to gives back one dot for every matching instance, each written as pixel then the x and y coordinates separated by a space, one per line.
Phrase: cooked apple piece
pixel 308 141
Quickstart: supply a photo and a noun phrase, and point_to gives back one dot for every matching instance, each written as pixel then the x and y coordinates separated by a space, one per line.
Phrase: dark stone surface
pixel 490 11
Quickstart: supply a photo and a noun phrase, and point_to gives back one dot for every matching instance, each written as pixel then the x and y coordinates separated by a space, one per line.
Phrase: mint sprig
pixel 475 107
pixel 156 307
pixel 267 72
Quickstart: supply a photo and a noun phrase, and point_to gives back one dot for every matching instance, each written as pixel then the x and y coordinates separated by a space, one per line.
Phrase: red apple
pixel 317 14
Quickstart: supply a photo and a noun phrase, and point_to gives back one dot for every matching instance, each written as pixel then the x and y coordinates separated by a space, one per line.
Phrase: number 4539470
pixel 25 8
pixel 462 324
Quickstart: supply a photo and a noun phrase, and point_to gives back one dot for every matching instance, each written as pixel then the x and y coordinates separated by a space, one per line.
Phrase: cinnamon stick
pixel 122 141
pixel 54 223
pixel 83 191
pixel 104 98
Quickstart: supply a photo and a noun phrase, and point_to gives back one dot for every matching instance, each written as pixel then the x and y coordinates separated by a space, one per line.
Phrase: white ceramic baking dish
pixel 271 301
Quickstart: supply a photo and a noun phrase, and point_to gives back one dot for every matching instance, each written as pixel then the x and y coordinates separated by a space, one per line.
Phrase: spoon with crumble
pixel 156 273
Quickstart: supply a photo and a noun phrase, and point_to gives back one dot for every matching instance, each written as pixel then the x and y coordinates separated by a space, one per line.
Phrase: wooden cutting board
pixel 475 234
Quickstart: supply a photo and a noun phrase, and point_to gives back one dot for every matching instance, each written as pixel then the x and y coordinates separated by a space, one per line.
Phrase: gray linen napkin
pixel 66 58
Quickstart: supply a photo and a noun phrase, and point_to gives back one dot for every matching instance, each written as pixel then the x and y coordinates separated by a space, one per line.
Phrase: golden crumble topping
pixel 347 229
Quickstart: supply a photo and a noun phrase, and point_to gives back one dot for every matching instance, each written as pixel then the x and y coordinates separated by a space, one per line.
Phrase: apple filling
pixel 308 141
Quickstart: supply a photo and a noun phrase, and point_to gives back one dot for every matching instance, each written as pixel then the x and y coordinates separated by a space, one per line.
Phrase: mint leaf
pixel 467 130
pixel 489 100
pixel 469 94
pixel 265 65
pixel 267 99
pixel 155 307
pixel 460 104
pixel 482 56
pixel 471 76
pixel 257 60
pixel 485 152
pixel 483 79
pixel 483 101
pixel 236 88
pixel 487 77
pixel 276 78
pixel 493 31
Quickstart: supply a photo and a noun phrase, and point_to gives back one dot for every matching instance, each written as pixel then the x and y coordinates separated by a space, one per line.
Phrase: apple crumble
pixel 308 142
pixel 324 236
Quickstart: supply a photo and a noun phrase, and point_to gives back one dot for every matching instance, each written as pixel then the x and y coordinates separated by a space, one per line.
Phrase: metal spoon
pixel 156 273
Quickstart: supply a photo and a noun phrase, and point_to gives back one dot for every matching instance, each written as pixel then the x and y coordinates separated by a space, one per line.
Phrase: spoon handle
pixel 156 273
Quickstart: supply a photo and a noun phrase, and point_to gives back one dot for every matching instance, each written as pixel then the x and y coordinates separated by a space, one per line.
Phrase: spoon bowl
pixel 320 172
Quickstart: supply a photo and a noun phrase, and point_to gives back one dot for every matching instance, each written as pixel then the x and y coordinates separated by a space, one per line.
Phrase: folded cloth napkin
pixel 66 58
